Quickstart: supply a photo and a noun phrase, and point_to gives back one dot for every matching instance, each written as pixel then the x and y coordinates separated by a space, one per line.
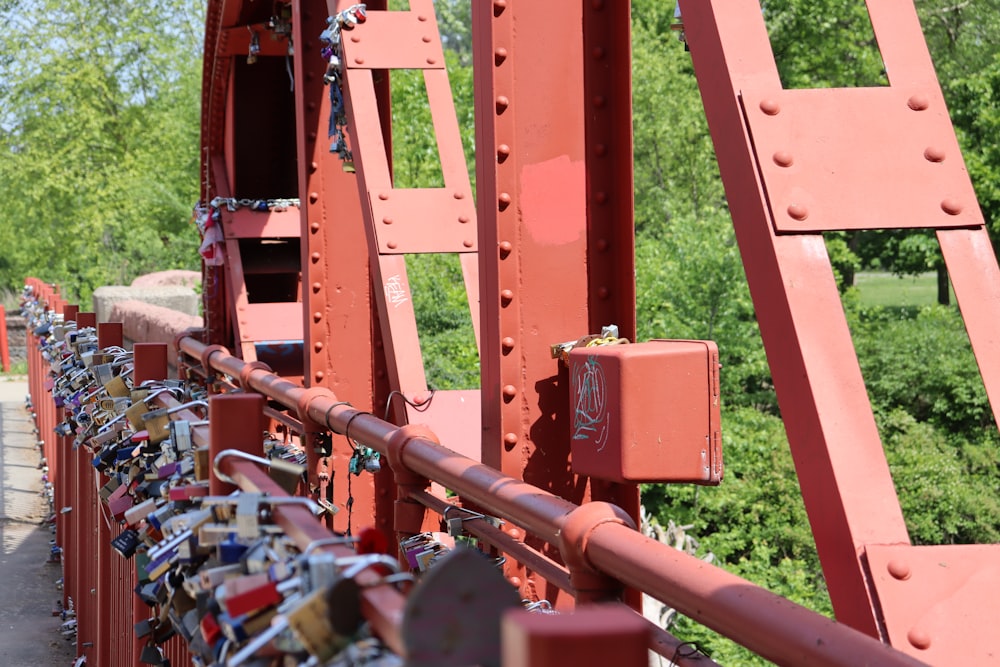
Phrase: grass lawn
pixel 885 289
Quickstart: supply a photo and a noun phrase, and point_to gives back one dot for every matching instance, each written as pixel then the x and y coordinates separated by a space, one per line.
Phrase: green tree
pixel 831 44
pixel 100 116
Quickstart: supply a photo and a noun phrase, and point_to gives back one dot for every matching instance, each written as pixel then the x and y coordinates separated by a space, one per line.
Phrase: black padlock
pixel 126 543
pixel 151 655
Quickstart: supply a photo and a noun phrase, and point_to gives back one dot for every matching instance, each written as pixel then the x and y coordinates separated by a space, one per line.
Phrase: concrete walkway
pixel 29 633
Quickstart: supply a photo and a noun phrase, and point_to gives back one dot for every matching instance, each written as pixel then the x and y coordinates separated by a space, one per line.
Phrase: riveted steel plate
pixel 940 603
pixel 859 158
pixel 394 40
pixel 421 220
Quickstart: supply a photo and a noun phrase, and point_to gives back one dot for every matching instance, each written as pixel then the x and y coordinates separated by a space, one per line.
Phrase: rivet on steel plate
pixel 431 61
pixel 510 439
pixel 934 154
pixel 898 569
pixel 502 103
pixel 597 4
pixel 598 53
pixel 359 60
pixel 506 296
pixel 599 101
pixel 313 166
pixel 783 159
pixel 318 346
pixel 919 639
pixel 503 150
pixel 798 212
pixel 459 195
pixel 317 287
pixel 602 292
pixel 917 102
pixel 499 55
pixel 509 391
pixel 421 17
pixel 383 195
pixel 386 220
pixel 391 245
pixel 314 227
pixel 499 6
pixel 505 248
pixel 602 244
pixel 312 136
pixel 463 219
pixel 770 107
pixel 507 343
pixel 601 197
pixel 600 150
pixel 314 197
pixel 315 256
pixel 317 316
pixel 468 243
pixel 355 38
pixel 504 200
pixel 319 375
pixel 951 207
pixel 425 39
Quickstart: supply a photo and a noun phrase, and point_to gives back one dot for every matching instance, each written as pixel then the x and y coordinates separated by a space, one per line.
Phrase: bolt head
pixel 798 212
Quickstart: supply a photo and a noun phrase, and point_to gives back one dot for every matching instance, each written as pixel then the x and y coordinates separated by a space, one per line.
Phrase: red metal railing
pixel 602 550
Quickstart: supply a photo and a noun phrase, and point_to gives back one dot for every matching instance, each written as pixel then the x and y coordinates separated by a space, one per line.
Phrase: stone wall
pixel 149 323
pixel 16 337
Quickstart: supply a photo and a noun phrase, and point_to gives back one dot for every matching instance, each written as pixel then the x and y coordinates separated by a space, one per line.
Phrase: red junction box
pixel 646 412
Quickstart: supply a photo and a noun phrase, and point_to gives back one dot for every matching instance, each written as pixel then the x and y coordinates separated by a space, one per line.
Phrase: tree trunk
pixel 944 296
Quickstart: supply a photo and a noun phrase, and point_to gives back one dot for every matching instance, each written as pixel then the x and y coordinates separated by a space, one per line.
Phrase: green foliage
pixel 447 340
pixel 689 275
pixel 975 108
pixel 100 112
pixel 923 365
pixel 947 484
pixel 754 523
pixel 823 43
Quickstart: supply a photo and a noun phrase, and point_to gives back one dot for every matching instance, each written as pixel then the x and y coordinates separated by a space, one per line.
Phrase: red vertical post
pixel 69 312
pixel 549 211
pixel 590 637
pixel 336 283
pixel 4 347
pixel 150 362
pixel 110 334
pixel 236 421
pixel 86 319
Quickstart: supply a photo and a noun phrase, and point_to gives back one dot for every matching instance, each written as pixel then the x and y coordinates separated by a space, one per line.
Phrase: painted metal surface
pixel 647 412
pixel 552 266
pixel 547 256
pixel 401 221
pixel 824 154
pixel 801 175
pixel 596 539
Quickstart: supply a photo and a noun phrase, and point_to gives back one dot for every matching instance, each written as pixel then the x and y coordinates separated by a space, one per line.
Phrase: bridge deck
pixel 29 633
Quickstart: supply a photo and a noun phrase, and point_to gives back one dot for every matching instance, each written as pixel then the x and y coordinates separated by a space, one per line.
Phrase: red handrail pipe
pixel 595 537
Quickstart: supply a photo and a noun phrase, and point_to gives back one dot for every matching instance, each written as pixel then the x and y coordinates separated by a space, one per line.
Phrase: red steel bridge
pixel 309 320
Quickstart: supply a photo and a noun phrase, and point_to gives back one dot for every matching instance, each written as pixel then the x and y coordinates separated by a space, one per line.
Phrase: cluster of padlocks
pixel 216 569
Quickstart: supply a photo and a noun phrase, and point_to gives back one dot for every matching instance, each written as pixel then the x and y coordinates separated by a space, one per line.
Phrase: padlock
pixel 286 474
pixel 157 424
pixel 137 513
pixel 126 543
pixel 180 435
